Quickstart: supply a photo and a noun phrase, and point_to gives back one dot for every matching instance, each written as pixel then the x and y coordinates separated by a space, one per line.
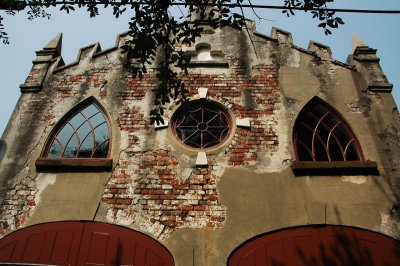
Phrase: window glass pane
pixel 195 140
pixel 72 148
pixel 101 134
pixel 320 152
pixel 65 134
pixel 219 133
pixel 96 120
pixel 55 150
pixel 322 132
pixel 334 151
pixel 209 139
pixel 203 125
pixel 209 114
pixel 90 110
pixel 318 111
pixel 310 120
pixel 217 121
pixel 352 153
pixel 102 150
pixel 342 135
pixel 186 120
pixel 196 114
pixel 305 134
pixel 77 120
pixel 184 133
pixel 86 148
pixel 83 131
pixel 303 153
pixel 330 121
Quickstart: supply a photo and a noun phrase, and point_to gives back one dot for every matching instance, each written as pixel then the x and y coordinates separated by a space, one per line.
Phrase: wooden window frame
pixel 93 164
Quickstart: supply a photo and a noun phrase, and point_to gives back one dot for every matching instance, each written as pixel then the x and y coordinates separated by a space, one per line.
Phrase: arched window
pixel 83 135
pixel 321 134
pixel 203 126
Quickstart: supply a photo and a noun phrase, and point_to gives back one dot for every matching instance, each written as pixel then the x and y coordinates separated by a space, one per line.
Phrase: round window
pixel 202 125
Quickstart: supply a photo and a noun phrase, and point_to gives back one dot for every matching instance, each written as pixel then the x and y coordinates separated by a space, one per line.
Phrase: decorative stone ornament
pixel 202 92
pixel 201 159
pixel 161 125
pixel 243 122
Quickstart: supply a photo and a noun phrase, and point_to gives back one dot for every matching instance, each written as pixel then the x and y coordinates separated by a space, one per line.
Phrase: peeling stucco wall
pixel 247 188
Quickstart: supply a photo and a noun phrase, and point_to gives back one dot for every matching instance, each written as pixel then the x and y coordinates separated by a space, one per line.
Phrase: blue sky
pixel 378 31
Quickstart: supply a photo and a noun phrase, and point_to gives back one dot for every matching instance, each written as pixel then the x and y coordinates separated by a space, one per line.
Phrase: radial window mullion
pixel 338 141
pixel 307 148
pixel 69 139
pixel 315 133
pixel 347 146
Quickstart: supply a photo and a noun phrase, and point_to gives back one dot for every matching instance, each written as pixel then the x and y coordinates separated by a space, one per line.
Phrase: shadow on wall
pixel 319 245
pixel 3 148
pixel 348 249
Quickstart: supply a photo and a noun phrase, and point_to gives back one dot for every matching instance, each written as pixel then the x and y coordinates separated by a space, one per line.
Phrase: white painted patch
pixel 162 139
pixel 355 179
pixel 294 58
pixel 42 181
pixel 123 144
pixel 389 226
pixel 11 223
pixel 59 110
pixel 275 161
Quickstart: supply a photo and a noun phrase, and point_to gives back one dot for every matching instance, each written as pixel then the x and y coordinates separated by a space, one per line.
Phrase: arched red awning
pixel 82 243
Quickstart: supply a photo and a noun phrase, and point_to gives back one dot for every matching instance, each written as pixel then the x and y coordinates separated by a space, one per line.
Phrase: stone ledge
pixel 383 87
pixel 30 88
pixel 68 164
pixel 335 168
pixel 196 63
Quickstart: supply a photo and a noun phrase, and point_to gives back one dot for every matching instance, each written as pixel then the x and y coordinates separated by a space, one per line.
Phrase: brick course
pixel 166 197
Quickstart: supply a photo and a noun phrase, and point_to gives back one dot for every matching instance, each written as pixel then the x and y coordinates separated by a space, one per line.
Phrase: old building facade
pixel 279 143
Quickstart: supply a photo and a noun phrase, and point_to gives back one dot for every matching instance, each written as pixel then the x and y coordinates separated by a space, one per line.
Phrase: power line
pixel 122 3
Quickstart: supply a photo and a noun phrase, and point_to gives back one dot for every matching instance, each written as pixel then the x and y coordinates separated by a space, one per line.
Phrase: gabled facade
pixel 277 140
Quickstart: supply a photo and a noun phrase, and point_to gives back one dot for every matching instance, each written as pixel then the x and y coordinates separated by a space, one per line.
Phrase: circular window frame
pixel 230 118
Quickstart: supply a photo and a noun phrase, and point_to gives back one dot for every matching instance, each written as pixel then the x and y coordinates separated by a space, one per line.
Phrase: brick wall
pixel 151 182
pixel 17 205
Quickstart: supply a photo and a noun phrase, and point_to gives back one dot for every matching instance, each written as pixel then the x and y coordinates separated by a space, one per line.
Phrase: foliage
pixel 319 11
pixel 156 34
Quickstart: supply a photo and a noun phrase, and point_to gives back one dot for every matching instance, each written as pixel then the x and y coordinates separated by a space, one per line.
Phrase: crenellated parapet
pixel 283 37
pixel 321 50
pixel 363 60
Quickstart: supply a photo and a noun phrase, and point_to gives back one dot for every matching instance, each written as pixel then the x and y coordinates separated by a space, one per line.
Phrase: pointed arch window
pixel 321 136
pixel 84 135
pixel 82 139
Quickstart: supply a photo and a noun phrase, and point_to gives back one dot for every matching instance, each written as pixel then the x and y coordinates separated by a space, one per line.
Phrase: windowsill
pixel 86 164
pixel 210 63
pixel 336 168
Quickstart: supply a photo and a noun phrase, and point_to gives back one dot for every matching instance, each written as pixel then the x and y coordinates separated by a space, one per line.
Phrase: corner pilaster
pixel 41 64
